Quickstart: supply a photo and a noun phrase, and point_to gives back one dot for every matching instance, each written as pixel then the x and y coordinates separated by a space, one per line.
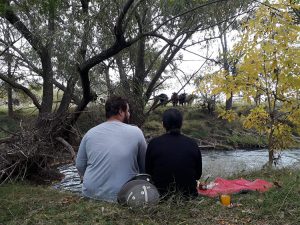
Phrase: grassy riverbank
pixel 208 129
pixel 27 204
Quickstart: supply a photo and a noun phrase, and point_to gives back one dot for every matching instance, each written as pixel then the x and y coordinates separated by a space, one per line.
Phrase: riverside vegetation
pixel 209 130
pixel 28 203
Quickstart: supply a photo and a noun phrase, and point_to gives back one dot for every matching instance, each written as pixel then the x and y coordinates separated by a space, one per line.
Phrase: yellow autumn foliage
pixel 257 119
pixel 229 115
pixel 270 71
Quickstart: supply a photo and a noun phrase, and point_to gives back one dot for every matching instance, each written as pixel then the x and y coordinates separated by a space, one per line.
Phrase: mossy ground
pixel 23 203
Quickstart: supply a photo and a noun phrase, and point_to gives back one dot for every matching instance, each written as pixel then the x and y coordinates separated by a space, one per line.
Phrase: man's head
pixel 117 108
pixel 172 119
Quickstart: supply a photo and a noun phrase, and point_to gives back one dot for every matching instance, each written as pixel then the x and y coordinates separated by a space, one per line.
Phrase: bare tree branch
pixel 63 88
pixel 68 147
pixel 9 14
pixel 186 12
pixel 8 45
pixel 24 89
pixel 24 58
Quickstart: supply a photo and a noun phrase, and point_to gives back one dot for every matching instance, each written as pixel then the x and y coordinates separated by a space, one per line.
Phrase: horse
pixel 182 99
pixel 174 99
pixel 162 99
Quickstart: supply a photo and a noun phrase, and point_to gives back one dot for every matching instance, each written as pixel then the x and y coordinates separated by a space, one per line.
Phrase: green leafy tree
pixel 147 62
pixel 223 35
pixel 66 43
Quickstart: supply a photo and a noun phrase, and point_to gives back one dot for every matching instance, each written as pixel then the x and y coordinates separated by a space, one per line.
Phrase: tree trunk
pixel 223 38
pixel 108 81
pixel 271 157
pixel 8 59
pixel 137 115
pixel 271 148
pixel 10 111
pixel 67 96
pixel 229 102
pixel 123 77
pixel 137 101
pixel 47 99
pixel 9 88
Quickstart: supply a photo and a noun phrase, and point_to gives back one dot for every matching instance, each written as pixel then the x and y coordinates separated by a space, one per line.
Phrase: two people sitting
pixel 114 152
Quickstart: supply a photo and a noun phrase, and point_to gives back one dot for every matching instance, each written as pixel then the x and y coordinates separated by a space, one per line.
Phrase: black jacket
pixel 174 162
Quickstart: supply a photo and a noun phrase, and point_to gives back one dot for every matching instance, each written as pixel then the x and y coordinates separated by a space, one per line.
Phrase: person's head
pixel 117 107
pixel 172 119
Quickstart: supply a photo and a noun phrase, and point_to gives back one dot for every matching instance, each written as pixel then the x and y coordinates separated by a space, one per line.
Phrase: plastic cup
pixel 225 200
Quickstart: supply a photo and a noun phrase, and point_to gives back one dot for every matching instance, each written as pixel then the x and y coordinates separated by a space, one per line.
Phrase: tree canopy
pixel 269 72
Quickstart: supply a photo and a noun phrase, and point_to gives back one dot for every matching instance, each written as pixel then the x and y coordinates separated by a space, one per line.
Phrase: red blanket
pixel 222 186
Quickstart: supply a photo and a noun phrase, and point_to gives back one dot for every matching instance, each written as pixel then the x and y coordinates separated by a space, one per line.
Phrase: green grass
pixel 195 128
pixel 7 124
pixel 21 117
pixel 26 204
pixel 247 141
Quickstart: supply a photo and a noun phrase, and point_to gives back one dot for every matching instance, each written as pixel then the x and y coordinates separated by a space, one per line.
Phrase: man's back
pixel 174 162
pixel 110 154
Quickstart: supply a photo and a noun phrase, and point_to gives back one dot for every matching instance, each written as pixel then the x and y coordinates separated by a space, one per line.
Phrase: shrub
pixel 247 140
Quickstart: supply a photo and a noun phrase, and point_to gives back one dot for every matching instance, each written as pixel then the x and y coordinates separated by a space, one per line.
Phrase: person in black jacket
pixel 174 160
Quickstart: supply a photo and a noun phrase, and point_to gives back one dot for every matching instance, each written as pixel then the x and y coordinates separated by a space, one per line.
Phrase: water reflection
pixel 226 163
pixel 71 181
pixel 215 163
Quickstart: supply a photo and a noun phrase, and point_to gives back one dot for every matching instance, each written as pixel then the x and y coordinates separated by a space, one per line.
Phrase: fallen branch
pixel 6 139
pixel 206 144
pixel 9 176
pixel 68 146
pixel 30 153
pixel 7 131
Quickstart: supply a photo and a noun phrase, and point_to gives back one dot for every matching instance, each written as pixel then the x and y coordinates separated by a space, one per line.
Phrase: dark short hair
pixel 114 104
pixel 172 119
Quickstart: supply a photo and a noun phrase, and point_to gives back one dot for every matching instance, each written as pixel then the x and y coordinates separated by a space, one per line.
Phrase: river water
pixel 215 163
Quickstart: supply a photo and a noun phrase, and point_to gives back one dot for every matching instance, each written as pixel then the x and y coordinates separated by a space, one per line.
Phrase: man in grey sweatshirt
pixel 111 153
